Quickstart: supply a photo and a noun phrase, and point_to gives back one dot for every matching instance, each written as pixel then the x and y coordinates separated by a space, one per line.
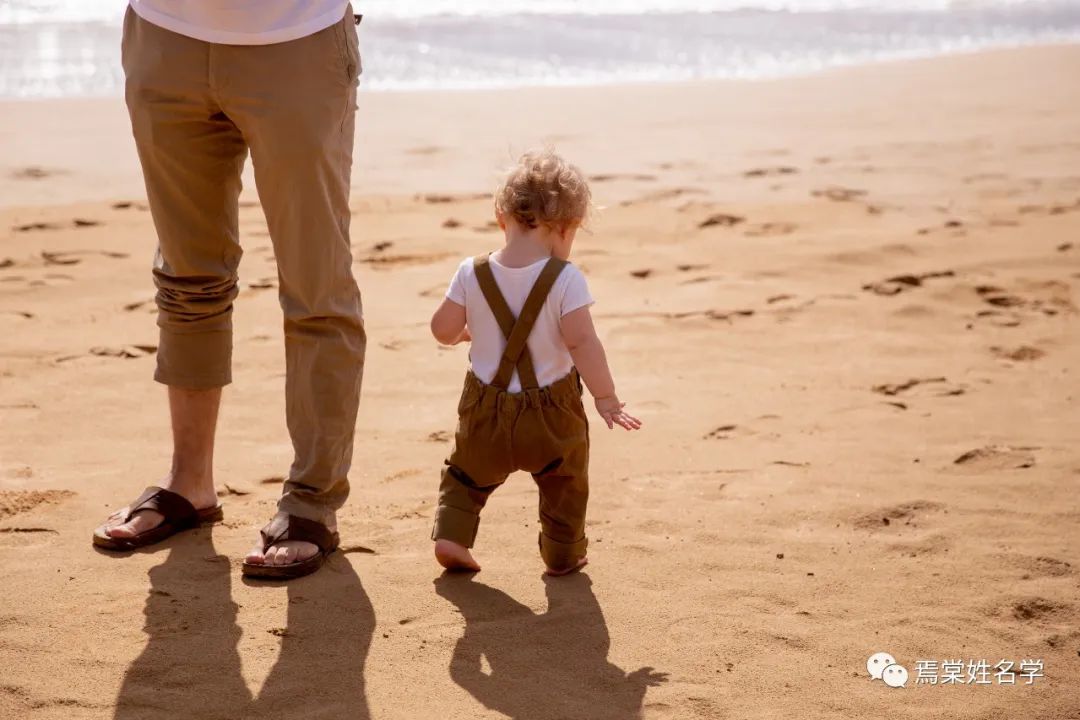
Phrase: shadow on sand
pixel 541 666
pixel 191 668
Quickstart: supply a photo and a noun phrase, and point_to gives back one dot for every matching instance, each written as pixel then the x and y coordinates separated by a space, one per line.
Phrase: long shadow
pixel 541 666
pixel 190 667
pixel 320 669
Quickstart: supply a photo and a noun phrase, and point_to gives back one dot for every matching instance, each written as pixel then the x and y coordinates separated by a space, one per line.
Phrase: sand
pixel 844 306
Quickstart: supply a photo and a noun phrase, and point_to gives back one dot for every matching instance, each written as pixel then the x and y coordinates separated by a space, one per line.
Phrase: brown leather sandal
pixel 179 515
pixel 292 527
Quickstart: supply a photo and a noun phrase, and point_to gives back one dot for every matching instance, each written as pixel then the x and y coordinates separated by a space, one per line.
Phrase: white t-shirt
pixel 551 359
pixel 242 22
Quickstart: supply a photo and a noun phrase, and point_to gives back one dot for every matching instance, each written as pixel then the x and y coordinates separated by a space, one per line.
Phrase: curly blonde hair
pixel 544 190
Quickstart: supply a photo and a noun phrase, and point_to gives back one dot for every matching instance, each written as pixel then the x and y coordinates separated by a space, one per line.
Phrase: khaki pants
pixel 196 109
pixel 543 431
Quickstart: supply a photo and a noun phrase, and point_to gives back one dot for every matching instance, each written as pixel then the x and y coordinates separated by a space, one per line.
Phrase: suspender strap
pixel 504 316
pixel 517 329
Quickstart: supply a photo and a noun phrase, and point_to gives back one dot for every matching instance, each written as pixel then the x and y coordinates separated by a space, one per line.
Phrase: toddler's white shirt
pixel 550 357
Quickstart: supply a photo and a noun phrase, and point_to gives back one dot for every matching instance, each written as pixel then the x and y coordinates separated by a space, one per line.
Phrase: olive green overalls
pixel 542 430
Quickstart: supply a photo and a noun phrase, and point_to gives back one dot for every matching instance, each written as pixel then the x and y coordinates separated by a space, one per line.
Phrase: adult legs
pixel 192 156
pixel 295 103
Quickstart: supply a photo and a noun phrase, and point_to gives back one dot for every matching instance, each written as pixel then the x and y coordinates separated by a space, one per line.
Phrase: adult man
pixel 205 83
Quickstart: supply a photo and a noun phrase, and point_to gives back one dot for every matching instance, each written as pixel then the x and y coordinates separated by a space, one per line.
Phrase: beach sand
pixel 844 306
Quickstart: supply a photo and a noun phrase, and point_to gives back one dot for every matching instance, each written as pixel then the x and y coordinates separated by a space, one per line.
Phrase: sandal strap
pixel 294 527
pixel 174 507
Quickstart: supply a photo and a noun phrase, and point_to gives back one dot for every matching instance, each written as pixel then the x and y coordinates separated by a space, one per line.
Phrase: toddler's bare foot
pixel 455 557
pixel 566 571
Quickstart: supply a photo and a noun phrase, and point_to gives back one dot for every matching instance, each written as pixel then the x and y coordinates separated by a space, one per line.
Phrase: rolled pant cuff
pixel 560 556
pixel 290 504
pixel 454 524
pixel 198 361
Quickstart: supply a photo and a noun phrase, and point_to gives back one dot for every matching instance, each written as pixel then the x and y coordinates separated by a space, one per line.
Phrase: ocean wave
pixel 443 51
pixel 25 12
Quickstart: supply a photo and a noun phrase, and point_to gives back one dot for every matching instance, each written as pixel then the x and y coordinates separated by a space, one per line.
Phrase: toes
pixel 121 531
pixel 286 553
pixel 290 556
pixel 139 524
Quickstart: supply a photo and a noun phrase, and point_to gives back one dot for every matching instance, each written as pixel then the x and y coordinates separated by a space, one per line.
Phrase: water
pixel 56 48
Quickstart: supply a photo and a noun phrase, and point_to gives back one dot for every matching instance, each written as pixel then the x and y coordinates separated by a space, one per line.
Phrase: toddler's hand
pixel 612 411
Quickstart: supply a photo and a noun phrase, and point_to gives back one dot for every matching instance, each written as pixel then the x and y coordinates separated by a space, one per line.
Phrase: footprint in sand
pixel 235 489
pixel 382 261
pixel 900 514
pixel 1043 567
pixel 440 199
pixel 433 292
pixel 1033 609
pixel 1048 298
pixel 937 386
pixel 661 195
pixel 721 220
pixel 608 177
pixel 937 544
pixel 1057 209
pixel 997 457
pixel 837 193
pixel 76 223
pixel 30 227
pixel 711 314
pixel 722 432
pixel 26 537
pixel 899 283
pixel 955 225
pixel 14 502
pixel 126 352
pixel 52 280
pixel 34 172
pixel 770 171
pixel 998 318
pixel 641 274
pixel 51 258
pixel 771 229
pixel 141 304
pixel 266 283
pixel 488 227
pixel 700 279
pixel 1024 353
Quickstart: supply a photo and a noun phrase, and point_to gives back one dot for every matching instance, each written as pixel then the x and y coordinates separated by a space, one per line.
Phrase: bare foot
pixel 199 493
pixel 559 573
pixel 455 557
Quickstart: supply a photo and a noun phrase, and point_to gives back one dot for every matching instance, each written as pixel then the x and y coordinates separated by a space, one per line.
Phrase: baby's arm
pixel 585 347
pixel 448 323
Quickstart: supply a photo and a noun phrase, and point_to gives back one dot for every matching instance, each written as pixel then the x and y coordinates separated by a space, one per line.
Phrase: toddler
pixel 525 309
